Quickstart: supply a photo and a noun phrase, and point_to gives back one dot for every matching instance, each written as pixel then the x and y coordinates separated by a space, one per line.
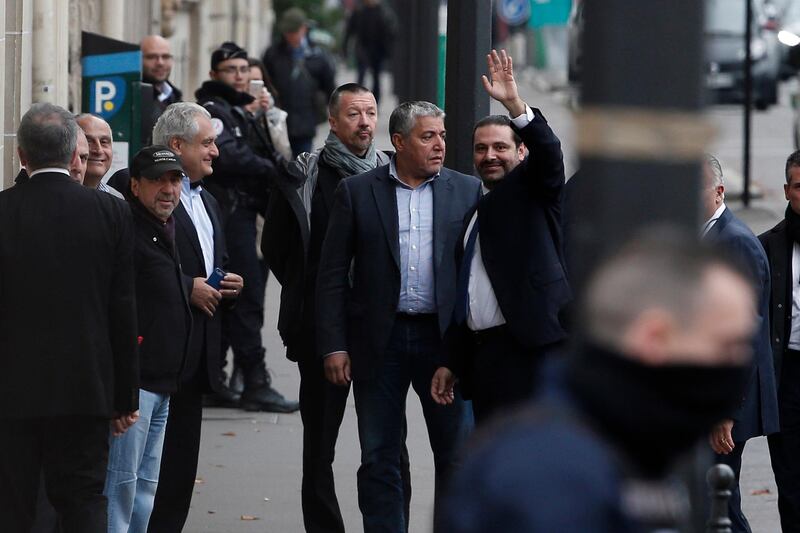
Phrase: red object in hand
pixel 139 339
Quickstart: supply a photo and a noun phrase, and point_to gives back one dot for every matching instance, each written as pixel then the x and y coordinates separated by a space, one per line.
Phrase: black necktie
pixel 462 288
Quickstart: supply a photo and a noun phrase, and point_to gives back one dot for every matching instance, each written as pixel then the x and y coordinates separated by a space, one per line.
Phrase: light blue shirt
pixel 415 232
pixel 191 200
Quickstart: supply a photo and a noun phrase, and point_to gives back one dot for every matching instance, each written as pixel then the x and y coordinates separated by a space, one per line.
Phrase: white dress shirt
pixel 49 169
pixel 713 220
pixel 191 200
pixel 794 331
pixel 483 310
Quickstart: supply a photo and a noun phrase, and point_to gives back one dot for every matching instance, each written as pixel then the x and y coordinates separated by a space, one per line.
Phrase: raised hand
pixel 502 86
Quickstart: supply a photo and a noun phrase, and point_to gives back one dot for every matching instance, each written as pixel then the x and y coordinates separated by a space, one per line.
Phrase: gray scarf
pixel 337 155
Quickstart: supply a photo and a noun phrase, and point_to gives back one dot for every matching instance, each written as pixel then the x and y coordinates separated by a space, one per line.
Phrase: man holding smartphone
pixel 241 176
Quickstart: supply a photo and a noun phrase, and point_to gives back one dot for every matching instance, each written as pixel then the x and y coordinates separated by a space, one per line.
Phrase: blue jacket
pixel 758 412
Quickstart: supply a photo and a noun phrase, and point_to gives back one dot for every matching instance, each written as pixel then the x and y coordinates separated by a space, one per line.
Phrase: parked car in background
pixel 724 33
pixel 725 53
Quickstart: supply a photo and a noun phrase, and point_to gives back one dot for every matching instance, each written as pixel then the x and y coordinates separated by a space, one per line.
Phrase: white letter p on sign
pixel 104 91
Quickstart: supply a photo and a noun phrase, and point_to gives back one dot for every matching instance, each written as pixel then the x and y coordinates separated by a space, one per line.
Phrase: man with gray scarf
pixel 296 223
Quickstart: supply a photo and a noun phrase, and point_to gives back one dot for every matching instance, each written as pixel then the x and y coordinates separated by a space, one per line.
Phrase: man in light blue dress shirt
pixel 385 295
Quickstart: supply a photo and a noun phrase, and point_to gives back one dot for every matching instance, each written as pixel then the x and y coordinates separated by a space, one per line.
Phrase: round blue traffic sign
pixel 514 12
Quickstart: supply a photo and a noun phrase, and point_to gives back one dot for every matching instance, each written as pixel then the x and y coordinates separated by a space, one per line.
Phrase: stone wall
pixel 52 72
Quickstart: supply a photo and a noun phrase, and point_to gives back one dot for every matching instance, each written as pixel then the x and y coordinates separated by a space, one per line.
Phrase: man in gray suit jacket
pixel 385 295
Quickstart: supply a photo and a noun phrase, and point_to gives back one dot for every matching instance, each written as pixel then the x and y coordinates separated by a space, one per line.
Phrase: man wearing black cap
pixel 303 74
pixel 164 325
pixel 239 181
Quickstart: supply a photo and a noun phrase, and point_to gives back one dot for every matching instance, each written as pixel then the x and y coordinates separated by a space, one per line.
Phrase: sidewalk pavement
pixel 249 471
pixel 250 463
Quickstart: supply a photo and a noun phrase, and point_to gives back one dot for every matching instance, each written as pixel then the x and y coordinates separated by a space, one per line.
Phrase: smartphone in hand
pixel 216 277
pixel 255 88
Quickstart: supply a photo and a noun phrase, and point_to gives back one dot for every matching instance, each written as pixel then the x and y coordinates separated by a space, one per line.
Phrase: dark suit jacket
pixel 22 177
pixel 758 412
pixel 205 342
pixel 121 180
pixel 778 247
pixel 576 201
pixel 363 231
pixel 67 304
pixel 521 247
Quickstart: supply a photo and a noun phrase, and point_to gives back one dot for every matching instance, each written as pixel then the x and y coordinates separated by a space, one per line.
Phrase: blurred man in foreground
pixel 666 341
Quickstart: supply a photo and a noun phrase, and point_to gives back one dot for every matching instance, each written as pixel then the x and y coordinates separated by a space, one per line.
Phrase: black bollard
pixel 720 479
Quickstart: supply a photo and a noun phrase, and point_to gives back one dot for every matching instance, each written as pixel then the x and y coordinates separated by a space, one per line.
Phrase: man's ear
pixel 397 142
pixel 521 151
pixel 648 337
pixel 75 160
pixel 135 187
pixel 23 160
pixel 174 144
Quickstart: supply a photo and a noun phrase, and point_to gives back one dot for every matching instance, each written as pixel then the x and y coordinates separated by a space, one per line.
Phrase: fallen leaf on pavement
pixel 248 517
pixel 760 492
pixel 229 434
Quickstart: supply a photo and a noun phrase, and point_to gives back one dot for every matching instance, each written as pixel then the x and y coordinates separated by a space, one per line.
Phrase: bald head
pixel 156 59
pixel 98 135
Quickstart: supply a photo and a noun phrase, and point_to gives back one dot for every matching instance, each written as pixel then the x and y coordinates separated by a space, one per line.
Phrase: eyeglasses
pixel 233 70
pixel 162 57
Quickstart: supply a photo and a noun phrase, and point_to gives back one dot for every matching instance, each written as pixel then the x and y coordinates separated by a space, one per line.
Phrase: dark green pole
pixel 469 39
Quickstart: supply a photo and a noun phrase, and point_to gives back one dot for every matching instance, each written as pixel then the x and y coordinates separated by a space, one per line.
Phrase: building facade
pixel 41 47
